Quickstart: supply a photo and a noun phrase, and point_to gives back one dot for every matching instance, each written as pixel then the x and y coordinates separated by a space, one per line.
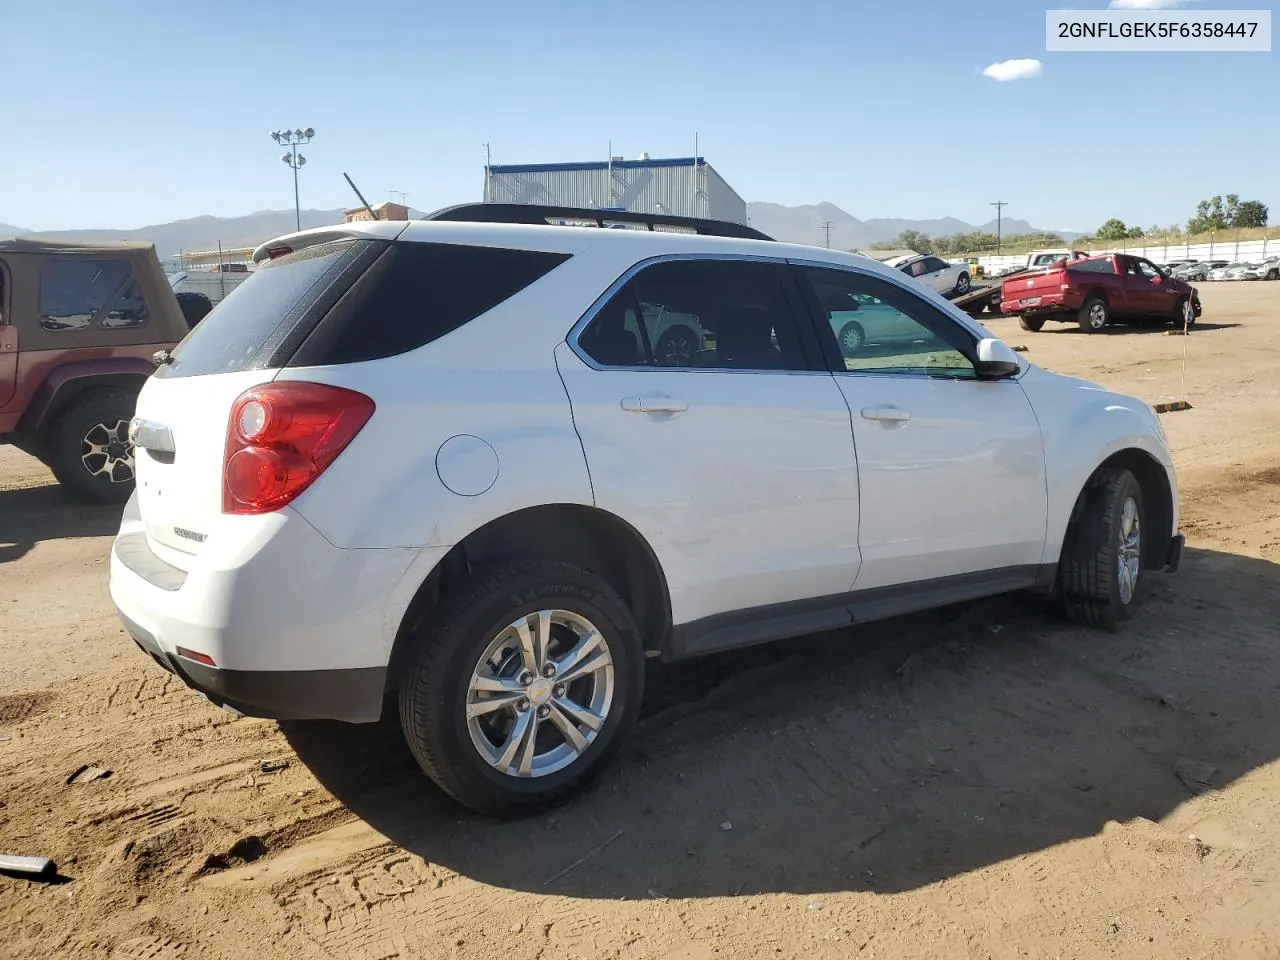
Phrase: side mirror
pixel 996 360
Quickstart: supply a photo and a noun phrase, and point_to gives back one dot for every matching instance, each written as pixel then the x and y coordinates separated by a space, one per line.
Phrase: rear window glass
pixel 74 291
pixel 234 333
pixel 416 293
pixel 1094 266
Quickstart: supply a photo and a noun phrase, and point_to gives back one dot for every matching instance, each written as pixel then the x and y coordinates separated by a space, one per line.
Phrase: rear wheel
pixel 89 449
pixel 1100 574
pixel 1094 315
pixel 962 284
pixel 526 687
pixel 1031 323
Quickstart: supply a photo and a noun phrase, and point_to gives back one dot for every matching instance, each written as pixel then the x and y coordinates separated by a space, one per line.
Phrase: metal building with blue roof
pixel 677 186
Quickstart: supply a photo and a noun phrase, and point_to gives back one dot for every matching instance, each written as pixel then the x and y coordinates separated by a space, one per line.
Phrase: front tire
pixel 527 683
pixel 852 338
pixel 88 448
pixel 676 348
pixel 1184 314
pixel 1100 574
pixel 1094 315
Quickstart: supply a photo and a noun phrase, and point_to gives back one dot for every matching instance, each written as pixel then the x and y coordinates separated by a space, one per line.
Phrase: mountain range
pixel 803 224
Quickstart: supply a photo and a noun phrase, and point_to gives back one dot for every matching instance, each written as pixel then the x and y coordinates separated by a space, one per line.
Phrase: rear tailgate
pixel 183 410
pixel 1029 290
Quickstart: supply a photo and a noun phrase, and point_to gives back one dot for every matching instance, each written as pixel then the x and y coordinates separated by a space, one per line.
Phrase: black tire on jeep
pixel 508 710
pixel 1031 323
pixel 88 447
pixel 1100 576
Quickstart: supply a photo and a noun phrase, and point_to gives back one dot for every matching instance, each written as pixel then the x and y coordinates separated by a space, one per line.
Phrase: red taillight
pixel 280 251
pixel 281 436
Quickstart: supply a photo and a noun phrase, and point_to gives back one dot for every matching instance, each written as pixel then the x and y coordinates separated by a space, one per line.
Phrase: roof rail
pixel 537 214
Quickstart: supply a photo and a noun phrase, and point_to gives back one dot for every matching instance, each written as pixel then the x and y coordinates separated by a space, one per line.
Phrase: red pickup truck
pixel 1097 291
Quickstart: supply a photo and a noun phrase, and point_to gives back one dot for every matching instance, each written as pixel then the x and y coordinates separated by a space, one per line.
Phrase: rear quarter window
pixel 238 333
pixel 416 293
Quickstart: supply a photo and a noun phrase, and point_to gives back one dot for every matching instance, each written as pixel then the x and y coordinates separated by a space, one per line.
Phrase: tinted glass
pixel 232 335
pixel 699 314
pixel 1093 266
pixel 416 293
pixel 74 291
pixel 881 328
pixel 128 309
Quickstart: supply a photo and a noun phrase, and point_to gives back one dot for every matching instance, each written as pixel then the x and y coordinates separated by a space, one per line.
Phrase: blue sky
pixel 130 113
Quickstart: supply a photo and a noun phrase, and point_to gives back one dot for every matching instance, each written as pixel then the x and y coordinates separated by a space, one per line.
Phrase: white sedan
pixel 949 279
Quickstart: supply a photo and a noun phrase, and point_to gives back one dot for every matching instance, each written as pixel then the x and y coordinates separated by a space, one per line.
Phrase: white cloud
pixel 1147 4
pixel 1007 70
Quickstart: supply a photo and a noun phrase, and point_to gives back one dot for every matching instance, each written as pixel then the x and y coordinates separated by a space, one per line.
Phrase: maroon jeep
pixel 79 324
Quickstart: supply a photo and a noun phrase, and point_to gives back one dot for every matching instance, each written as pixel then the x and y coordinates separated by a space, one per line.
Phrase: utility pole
pixel 826 226
pixel 999 205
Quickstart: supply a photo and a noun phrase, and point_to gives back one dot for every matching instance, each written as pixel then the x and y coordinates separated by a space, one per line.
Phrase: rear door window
pixel 75 291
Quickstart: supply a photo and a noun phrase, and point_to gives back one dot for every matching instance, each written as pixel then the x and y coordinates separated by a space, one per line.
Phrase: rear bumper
pixel 353 695
pixel 296 627
pixel 1054 302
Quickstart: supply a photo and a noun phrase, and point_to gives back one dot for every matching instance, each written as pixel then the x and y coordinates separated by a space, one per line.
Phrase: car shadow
pixel 1121 329
pixel 31 514
pixel 884 758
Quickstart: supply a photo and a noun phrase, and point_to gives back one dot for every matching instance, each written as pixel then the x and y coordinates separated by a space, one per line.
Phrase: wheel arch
pixel 1157 500
pixel 585 536
pixel 66 384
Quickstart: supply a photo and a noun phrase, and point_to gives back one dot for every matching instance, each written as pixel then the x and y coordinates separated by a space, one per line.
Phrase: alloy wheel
pixel 1129 550
pixel 107 451
pixel 540 693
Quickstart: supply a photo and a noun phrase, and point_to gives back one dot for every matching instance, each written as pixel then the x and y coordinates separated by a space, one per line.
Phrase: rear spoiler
pixel 293 242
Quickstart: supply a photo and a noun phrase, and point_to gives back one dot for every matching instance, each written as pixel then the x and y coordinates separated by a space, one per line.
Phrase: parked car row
pixel 1202 270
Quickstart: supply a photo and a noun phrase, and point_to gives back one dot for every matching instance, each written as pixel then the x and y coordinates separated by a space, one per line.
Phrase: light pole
pixel 999 205
pixel 295 160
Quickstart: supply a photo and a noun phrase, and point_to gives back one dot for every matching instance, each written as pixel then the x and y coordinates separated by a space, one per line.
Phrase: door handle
pixel 889 414
pixel 658 404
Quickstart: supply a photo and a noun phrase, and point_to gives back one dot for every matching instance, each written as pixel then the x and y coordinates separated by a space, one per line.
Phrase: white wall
pixel 1232 250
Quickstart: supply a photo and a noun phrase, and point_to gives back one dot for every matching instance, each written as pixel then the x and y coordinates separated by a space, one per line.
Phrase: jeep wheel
pixel 89 449
pixel 1100 575
pixel 1031 323
pixel 528 684
pixel 1094 315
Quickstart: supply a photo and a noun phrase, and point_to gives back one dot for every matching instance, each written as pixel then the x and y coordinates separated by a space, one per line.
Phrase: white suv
pixel 436 465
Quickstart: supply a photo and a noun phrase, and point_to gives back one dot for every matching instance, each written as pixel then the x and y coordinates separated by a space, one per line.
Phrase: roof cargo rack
pixel 584 216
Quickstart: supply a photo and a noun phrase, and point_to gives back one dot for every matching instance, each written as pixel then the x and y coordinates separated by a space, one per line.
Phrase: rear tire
pixel 962 285
pixel 1094 315
pixel 88 448
pixel 1101 577
pixel 1034 324
pixel 462 661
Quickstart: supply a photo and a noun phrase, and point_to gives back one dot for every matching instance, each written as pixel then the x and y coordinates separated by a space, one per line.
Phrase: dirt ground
pixel 981 782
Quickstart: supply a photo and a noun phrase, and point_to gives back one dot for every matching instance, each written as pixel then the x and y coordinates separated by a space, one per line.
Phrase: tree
pixel 914 240
pixel 1251 213
pixel 1210 217
pixel 1114 229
